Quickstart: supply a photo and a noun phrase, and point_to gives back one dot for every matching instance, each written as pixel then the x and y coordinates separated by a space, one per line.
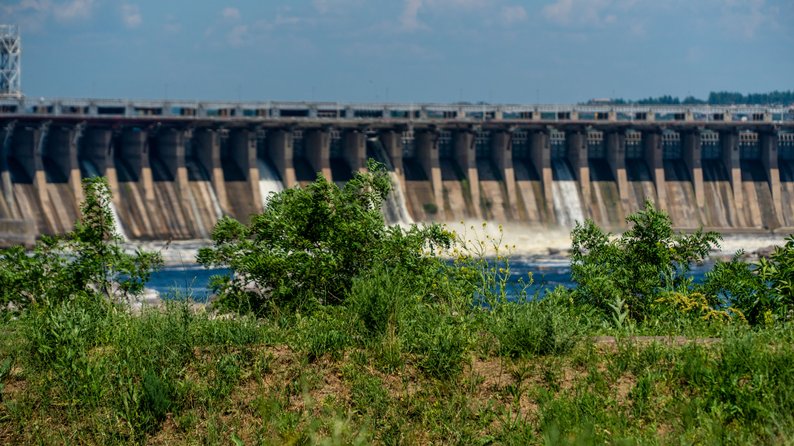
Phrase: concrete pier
pixel 577 156
pixel 653 157
pixel 243 193
pixel 27 169
pixel 616 158
pixel 280 150
pixel 731 160
pixel 502 157
pixel 427 155
pixel 354 150
pixel 208 152
pixel 466 160
pixel 317 144
pixel 769 158
pixel 692 155
pixel 540 152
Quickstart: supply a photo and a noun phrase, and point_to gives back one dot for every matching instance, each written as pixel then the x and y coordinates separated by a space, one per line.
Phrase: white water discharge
pixel 92 171
pixel 395 209
pixel 269 181
pixel 567 204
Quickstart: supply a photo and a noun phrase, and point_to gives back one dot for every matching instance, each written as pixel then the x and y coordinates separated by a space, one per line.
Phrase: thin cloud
pixel 409 19
pixel 73 10
pixel 513 14
pixel 335 6
pixel 34 14
pixel 231 13
pixel 131 16
pixel 747 16
pixel 238 36
pixel 570 12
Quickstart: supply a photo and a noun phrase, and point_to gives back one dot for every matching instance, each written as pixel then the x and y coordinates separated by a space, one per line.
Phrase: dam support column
pixel 27 148
pixel 6 185
pixel 318 151
pixel 540 152
pixel 577 156
pixel 693 160
pixel 466 158
pixel 427 154
pixel 170 149
pixel 653 156
pixel 502 157
pixel 280 150
pixel 392 142
pixel 769 158
pixel 208 152
pixel 354 150
pixel 616 157
pixel 732 161
pixel 132 153
pixel 61 149
pixel 242 144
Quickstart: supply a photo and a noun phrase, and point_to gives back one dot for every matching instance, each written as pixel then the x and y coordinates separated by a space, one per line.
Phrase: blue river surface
pixel 192 281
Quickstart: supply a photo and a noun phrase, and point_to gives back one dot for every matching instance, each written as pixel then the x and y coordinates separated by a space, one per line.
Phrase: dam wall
pixel 174 176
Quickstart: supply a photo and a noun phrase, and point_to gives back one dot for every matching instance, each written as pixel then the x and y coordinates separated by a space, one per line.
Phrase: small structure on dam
pixel 176 167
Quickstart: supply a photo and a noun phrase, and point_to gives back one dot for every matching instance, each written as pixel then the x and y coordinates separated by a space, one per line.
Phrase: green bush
pixel 309 244
pixel 759 290
pixel 637 266
pixel 90 259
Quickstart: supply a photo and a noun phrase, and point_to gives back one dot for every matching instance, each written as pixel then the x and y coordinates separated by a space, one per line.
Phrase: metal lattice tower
pixel 10 62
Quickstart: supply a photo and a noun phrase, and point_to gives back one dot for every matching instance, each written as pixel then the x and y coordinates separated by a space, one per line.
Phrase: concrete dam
pixel 175 168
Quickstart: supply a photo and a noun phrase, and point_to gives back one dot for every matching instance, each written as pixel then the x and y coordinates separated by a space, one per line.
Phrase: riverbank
pixel 519 241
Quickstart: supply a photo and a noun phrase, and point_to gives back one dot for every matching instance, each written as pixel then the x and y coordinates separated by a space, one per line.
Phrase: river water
pixel 181 277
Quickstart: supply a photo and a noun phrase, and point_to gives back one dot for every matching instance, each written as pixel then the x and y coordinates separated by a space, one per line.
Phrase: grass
pixel 523 375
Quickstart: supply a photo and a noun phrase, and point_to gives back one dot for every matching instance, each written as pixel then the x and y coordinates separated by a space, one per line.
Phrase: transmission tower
pixel 10 62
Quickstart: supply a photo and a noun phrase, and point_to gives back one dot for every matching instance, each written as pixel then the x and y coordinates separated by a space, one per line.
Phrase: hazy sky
pixel 403 50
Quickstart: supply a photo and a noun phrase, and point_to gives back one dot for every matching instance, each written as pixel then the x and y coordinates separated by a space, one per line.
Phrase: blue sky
pixel 552 51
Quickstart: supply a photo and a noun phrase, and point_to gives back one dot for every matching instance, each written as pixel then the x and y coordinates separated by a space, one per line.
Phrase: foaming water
pixel 395 209
pixel 748 243
pixel 567 204
pixel 515 240
pixel 269 181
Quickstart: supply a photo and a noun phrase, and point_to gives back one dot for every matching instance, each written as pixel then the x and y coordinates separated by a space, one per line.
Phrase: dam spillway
pixel 176 167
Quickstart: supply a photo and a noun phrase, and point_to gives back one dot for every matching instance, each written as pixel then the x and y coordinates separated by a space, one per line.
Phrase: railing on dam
pixel 174 175
pixel 276 110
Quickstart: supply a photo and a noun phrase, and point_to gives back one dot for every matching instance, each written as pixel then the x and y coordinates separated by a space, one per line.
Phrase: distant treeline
pixel 714 98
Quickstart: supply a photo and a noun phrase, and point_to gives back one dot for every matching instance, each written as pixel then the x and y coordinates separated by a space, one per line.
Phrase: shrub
pixel 758 289
pixel 637 266
pixel 310 243
pixel 90 259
